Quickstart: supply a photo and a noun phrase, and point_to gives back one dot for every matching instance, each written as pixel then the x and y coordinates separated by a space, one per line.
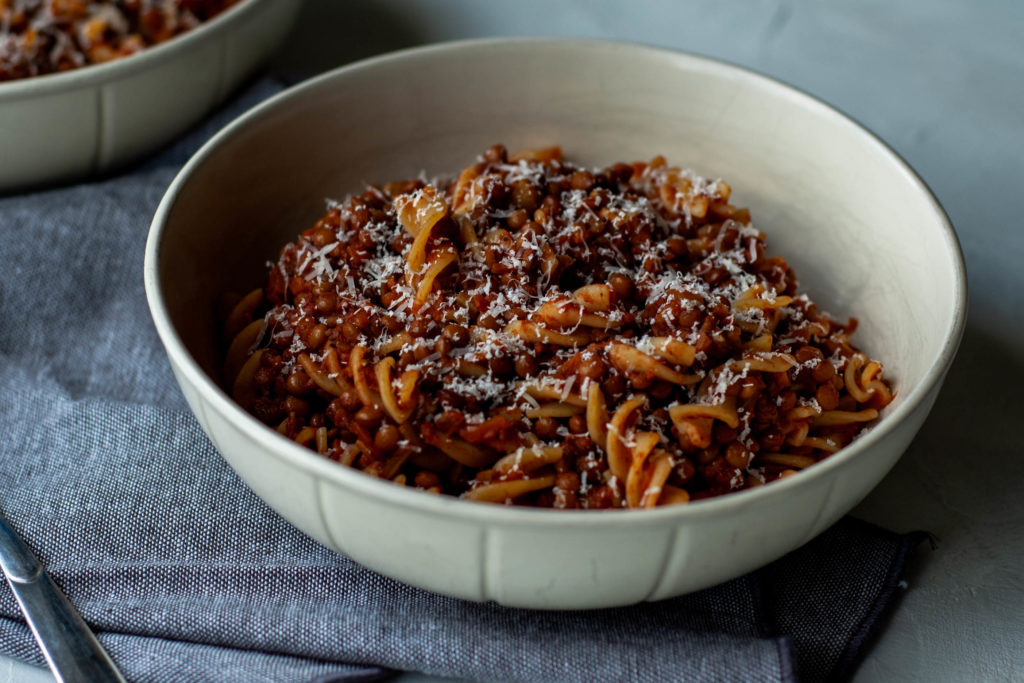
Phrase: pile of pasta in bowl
pixel 533 332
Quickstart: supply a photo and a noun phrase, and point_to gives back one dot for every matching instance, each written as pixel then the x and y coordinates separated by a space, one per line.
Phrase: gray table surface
pixel 942 82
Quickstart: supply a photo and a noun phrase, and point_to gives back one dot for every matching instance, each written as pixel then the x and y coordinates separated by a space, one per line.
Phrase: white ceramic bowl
pixel 73 124
pixel 861 230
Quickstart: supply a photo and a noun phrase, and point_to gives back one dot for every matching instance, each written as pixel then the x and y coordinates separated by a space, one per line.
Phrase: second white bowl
pixel 74 124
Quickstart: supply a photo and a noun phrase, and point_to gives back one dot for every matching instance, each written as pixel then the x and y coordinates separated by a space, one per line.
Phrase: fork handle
pixel 69 646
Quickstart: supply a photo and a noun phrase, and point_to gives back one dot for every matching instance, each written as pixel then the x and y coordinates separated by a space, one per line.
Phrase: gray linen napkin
pixel 186 575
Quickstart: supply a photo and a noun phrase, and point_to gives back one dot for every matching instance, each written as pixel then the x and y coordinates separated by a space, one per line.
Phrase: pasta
pixel 537 333
pixel 38 37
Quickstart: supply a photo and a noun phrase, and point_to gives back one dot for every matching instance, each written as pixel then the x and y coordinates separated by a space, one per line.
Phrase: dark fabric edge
pixel 762 619
pixel 766 629
pixel 872 624
pixel 787 660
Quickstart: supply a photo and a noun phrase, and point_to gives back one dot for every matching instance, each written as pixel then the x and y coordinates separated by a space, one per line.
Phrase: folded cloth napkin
pixel 186 575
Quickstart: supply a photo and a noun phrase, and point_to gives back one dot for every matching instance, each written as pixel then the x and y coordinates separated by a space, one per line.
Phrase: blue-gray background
pixel 942 81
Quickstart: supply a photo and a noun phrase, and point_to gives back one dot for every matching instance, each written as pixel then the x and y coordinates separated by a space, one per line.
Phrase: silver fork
pixel 70 648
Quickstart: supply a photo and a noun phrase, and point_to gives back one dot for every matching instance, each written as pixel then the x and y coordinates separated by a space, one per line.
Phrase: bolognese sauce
pixel 39 37
pixel 533 332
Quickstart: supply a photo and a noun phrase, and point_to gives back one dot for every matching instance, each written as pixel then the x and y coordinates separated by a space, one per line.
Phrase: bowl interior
pixel 864 238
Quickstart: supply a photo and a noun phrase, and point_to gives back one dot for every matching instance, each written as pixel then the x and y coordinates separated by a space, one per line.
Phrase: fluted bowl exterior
pixel 88 121
pixel 859 227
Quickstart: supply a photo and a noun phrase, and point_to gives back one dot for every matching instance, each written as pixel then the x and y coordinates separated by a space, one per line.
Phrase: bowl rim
pixel 405 497
pixel 105 72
